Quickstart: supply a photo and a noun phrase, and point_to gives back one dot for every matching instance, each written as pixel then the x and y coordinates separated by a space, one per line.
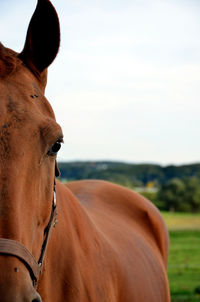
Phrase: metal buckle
pixel 54 198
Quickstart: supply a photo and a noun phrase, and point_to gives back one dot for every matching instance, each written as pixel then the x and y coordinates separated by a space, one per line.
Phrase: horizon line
pixel 126 162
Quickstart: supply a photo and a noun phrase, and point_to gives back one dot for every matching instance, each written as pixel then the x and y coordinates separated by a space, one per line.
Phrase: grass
pixel 184 256
pixel 182 221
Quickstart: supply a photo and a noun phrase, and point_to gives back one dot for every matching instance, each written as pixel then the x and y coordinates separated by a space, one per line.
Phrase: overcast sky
pixel 126 83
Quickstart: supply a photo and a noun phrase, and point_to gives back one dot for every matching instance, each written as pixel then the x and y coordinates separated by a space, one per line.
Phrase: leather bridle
pixel 14 248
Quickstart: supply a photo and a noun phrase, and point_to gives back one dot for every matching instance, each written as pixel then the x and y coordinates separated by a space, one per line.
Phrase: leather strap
pixel 17 249
pixel 14 248
pixel 52 223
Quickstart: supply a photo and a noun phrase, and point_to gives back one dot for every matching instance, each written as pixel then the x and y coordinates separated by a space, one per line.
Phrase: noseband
pixel 18 250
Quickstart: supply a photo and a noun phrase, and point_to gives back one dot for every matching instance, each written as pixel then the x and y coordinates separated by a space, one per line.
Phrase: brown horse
pixel 110 244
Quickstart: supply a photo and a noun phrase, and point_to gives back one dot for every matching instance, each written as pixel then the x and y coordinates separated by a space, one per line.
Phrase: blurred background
pixel 125 89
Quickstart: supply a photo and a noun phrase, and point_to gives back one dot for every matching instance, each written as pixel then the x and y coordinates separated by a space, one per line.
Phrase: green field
pixel 184 256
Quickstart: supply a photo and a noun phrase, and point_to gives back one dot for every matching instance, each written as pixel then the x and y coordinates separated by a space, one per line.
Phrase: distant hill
pixel 126 174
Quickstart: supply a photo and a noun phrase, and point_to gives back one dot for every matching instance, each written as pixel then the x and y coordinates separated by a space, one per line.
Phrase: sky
pixel 126 83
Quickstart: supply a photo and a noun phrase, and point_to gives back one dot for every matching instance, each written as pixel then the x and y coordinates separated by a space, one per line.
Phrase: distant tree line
pixel 180 195
pixel 177 187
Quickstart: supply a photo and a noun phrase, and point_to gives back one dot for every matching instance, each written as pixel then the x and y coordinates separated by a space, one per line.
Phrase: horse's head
pixel 29 141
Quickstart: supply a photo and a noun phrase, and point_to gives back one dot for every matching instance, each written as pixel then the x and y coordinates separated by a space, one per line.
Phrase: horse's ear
pixel 43 38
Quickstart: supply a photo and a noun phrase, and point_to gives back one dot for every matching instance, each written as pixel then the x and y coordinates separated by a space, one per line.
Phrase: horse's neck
pixel 76 252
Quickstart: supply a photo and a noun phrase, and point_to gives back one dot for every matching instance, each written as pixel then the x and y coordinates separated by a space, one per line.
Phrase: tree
pixel 172 195
pixel 178 195
pixel 192 193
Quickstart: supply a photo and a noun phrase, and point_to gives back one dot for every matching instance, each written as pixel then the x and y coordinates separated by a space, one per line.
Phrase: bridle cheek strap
pixel 14 248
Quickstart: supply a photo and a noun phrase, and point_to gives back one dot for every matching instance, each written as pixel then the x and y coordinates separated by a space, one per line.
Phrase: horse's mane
pixel 8 61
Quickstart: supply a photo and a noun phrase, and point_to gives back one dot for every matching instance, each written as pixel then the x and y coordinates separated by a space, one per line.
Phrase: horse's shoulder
pixel 118 201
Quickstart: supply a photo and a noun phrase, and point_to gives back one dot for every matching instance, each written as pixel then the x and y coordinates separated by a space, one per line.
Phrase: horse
pixel 84 241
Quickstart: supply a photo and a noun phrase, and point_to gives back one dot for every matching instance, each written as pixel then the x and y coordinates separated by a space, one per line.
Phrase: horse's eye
pixel 55 148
